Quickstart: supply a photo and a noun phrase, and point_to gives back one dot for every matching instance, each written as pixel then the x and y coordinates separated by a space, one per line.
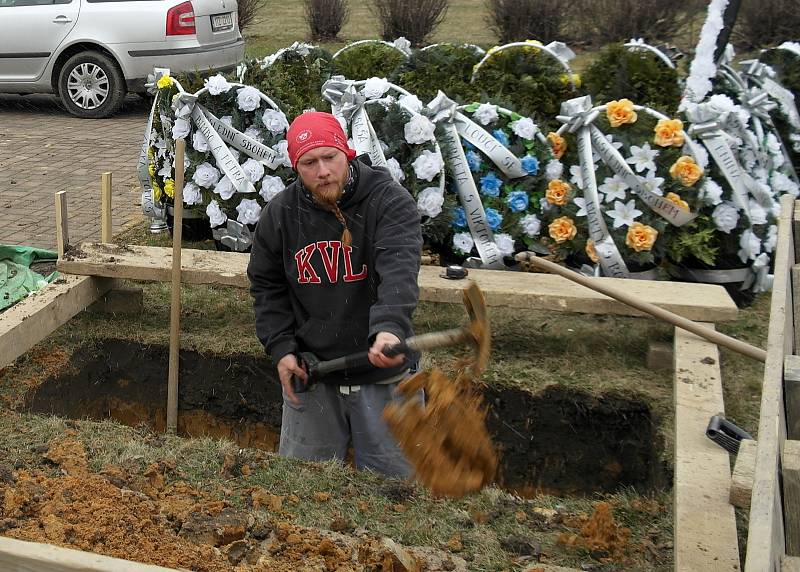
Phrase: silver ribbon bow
pixel 234 235
pixel 348 103
pixel 577 113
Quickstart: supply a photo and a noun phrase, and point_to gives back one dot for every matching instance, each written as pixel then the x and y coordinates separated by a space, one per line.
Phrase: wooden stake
pixel 175 307
pixel 660 313
pixel 62 231
pixel 106 228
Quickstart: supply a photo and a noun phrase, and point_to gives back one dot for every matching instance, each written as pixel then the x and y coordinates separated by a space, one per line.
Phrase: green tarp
pixel 17 280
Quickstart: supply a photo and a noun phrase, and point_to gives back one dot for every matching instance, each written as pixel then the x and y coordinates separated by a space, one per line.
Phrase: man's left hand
pixel 376 355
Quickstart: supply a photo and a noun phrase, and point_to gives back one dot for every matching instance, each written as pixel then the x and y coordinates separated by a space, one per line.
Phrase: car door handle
pixel 62 20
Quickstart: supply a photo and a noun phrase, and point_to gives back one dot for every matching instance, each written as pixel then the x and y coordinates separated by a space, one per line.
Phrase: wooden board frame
pixel 22 556
pixel 765 539
pixel 532 291
pixel 29 321
pixel 705 521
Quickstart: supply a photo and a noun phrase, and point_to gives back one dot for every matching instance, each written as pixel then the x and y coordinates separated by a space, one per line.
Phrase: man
pixel 333 271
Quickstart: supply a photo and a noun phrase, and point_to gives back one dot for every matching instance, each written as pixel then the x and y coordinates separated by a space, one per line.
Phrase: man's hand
pixel 287 367
pixel 376 356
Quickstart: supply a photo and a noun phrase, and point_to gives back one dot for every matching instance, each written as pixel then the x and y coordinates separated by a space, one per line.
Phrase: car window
pixel 13 3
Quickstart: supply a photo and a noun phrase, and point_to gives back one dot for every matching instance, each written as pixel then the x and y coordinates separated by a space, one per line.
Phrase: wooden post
pixel 62 231
pixel 175 307
pixel 791 495
pixel 106 228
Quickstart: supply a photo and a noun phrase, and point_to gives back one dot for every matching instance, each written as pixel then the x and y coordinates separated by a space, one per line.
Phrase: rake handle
pixel 660 313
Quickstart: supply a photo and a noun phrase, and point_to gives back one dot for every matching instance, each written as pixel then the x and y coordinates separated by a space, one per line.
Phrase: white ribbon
pixel 185 105
pixel 143 166
pixel 640 44
pixel 674 214
pixel 465 185
pixel 249 146
pixel 577 115
pixel 485 142
pixel 706 124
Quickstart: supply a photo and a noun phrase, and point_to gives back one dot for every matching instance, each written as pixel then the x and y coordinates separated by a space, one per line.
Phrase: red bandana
pixel 314 129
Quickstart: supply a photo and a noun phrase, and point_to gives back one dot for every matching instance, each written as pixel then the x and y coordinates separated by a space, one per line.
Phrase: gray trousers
pixel 327 420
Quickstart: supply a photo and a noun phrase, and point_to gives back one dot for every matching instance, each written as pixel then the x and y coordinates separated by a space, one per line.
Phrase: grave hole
pixel 559 441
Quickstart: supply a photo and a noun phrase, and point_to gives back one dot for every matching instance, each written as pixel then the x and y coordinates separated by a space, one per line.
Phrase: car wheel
pixel 91 85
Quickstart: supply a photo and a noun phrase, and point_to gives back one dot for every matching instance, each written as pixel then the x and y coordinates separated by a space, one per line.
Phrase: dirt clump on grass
pixel 599 534
pixel 139 516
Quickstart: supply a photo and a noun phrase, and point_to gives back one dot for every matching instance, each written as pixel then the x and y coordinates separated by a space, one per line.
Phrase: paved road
pixel 43 150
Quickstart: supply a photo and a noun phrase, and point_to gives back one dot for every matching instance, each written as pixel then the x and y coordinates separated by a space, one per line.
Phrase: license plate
pixel 221 22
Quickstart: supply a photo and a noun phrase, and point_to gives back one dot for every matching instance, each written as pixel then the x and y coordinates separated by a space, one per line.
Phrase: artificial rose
pixel 205 175
pixel 726 217
pixel 224 188
pixel 463 242
pixel 282 149
pixel 669 133
pixel 253 169
pixel 557 143
pixel 215 215
pixel 686 171
pixel 275 121
pixel 620 112
pixel 749 246
pixel 411 102
pixel 192 194
pixel 710 193
pixel 531 225
pixel 217 84
pixel 554 170
pixel 430 201
pixel 270 187
pixel 428 165
pixel 524 127
pixel 248 98
pixel 758 214
pixel 557 192
pixel 181 128
pixel 562 229
pixel 772 238
pixel 199 142
pixel 395 170
pixel 677 200
pixel 254 133
pixel 591 252
pixel 641 237
pixel 517 201
pixel 505 244
pixel 169 188
pixel 249 211
pixel 419 129
pixel 486 113
pixel 375 87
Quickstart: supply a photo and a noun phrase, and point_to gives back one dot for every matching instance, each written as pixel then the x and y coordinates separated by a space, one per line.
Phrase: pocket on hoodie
pixel 329 339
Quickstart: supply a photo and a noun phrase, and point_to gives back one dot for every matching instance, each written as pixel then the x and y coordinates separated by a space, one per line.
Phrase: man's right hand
pixel 288 367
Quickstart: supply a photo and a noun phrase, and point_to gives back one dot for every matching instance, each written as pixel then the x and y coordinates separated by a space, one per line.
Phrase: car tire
pixel 91 85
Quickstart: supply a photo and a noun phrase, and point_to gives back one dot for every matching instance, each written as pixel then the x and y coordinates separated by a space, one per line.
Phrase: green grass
pixel 281 23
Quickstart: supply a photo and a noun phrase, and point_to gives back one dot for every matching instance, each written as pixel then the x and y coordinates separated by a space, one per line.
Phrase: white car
pixel 92 52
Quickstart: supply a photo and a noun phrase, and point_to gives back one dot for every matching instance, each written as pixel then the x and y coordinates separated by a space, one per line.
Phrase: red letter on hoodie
pixel 331 261
pixel 348 267
pixel 305 272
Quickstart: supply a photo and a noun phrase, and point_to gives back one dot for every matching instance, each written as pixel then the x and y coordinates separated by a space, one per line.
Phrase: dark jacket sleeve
pixel 397 251
pixel 275 323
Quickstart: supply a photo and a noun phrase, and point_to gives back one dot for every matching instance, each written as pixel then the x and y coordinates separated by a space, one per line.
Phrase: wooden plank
pixel 21 556
pixel 106 225
pixel 705 523
pixel 765 537
pixel 742 479
pixel 31 320
pixel 791 394
pixel 62 229
pixel 790 564
pixel 790 460
pixel 701 302
pixel 175 293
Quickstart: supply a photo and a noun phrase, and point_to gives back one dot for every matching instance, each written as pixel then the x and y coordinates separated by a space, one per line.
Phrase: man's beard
pixel 328 195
